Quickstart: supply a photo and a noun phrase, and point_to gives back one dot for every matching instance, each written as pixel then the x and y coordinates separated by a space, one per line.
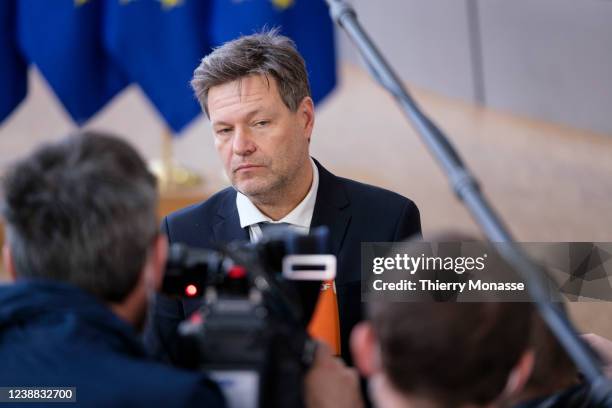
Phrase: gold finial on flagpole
pixel 170 175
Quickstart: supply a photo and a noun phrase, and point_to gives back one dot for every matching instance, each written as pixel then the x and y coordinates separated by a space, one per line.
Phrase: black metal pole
pixel 467 189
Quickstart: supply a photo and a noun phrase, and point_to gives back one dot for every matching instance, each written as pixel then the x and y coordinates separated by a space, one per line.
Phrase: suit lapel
pixel 332 208
pixel 227 226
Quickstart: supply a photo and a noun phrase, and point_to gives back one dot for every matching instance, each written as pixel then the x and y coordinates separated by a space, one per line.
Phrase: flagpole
pixel 167 154
pixel 172 177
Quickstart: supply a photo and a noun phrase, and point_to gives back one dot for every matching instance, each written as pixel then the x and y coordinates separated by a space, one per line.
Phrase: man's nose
pixel 243 141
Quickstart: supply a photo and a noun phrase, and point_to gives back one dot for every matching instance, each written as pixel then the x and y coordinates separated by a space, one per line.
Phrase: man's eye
pixel 261 123
pixel 224 131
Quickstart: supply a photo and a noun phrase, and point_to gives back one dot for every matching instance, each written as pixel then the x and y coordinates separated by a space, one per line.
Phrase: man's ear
pixel 307 115
pixel 156 262
pixel 365 349
pixel 8 262
pixel 519 375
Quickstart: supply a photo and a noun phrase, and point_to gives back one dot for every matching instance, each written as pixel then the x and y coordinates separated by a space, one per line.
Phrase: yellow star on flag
pixel 282 4
pixel 170 3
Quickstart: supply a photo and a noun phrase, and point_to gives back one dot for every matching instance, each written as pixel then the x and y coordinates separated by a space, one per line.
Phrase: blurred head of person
pixel 443 354
pixel 432 354
pixel 83 211
pixel 554 375
pixel 255 92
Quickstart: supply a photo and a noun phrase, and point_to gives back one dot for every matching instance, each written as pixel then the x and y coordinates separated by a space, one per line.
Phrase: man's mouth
pixel 247 167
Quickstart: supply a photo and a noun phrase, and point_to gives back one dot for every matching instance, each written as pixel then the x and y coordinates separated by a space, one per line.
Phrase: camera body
pixel 249 334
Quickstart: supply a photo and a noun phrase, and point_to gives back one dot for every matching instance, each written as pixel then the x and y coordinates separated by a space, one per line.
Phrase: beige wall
pixel 546 59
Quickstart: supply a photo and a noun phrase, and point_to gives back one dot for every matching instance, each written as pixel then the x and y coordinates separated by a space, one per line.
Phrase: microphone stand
pixel 468 191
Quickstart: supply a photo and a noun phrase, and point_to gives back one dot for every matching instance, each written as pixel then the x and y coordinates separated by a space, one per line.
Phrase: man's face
pixel 262 144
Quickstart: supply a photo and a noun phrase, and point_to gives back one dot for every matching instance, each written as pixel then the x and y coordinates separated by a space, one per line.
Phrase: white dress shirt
pixel 299 218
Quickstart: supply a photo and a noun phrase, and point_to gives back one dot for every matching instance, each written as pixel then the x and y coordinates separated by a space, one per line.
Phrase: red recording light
pixel 191 290
pixel 196 318
pixel 237 272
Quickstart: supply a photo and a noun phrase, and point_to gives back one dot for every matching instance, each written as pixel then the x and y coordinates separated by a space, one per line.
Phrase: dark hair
pixel 456 353
pixel 266 53
pixel 553 369
pixel 82 211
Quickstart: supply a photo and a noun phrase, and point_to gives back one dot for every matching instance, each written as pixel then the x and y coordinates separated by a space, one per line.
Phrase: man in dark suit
pixel 255 92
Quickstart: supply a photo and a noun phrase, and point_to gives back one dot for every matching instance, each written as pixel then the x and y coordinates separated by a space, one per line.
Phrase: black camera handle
pixel 251 261
pixel 299 342
pixel 467 190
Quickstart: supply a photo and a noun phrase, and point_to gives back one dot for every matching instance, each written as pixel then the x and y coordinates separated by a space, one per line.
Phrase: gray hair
pixel 82 211
pixel 266 53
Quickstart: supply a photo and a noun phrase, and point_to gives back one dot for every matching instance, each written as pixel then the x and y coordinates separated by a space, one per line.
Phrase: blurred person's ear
pixel 133 308
pixel 519 375
pixel 7 261
pixel 155 264
pixel 365 349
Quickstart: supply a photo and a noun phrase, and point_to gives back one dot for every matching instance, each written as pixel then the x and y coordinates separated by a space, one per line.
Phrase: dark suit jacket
pixel 354 213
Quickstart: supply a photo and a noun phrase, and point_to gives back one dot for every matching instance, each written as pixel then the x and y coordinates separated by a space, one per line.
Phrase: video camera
pixel 249 334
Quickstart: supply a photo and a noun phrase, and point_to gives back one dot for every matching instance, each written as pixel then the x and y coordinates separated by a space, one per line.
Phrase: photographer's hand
pixel 330 383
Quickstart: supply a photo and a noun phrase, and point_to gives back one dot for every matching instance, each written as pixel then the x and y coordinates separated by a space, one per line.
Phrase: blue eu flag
pixel 13 68
pixel 159 44
pixel 306 22
pixel 63 39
